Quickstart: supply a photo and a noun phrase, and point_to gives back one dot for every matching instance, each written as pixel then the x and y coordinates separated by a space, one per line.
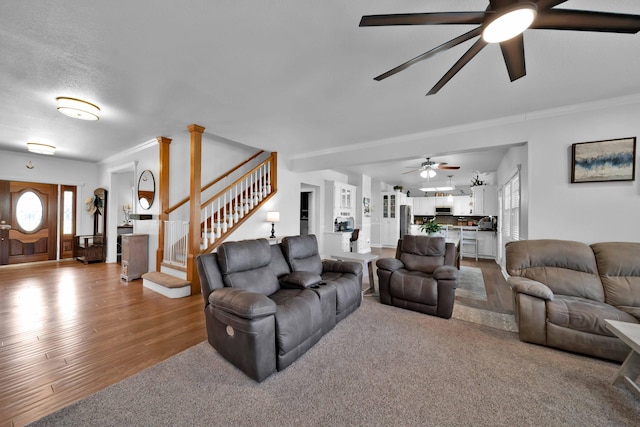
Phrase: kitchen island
pixel 487 239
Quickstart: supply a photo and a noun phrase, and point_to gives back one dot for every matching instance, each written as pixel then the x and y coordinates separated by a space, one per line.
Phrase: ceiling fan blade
pixel 411 171
pixel 548 4
pixel 438 18
pixel 585 20
pixel 513 53
pixel 444 46
pixel 448 167
pixel 468 56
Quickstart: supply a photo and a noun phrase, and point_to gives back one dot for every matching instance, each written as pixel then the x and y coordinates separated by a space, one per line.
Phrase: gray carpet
pixel 380 366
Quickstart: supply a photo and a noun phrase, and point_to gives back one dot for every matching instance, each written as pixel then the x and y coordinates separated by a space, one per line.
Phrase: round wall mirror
pixel 146 189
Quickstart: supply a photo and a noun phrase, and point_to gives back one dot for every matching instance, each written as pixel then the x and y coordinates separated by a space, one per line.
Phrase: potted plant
pixel 398 188
pixel 431 227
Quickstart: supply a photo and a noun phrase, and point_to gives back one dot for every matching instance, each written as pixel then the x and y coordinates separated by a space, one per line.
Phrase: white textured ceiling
pixel 293 76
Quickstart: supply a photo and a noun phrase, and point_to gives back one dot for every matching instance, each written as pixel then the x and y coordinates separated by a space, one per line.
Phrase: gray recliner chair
pixel 422 277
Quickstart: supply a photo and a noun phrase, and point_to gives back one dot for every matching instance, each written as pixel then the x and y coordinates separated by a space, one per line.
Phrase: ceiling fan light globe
pixel 427 173
pixel 510 23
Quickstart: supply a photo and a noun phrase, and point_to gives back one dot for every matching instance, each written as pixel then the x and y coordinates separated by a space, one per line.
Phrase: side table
pixel 365 259
pixel 629 372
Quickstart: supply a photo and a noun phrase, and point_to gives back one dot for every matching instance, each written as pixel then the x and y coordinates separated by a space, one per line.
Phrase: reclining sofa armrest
pixel 341 267
pixel 389 264
pixel 242 303
pixel 300 280
pixel 445 272
pixel 530 287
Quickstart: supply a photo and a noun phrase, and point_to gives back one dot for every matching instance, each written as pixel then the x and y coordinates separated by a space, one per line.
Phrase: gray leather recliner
pixel 422 277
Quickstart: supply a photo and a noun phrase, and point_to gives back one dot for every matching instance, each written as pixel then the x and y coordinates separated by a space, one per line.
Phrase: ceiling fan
pixel 503 22
pixel 428 169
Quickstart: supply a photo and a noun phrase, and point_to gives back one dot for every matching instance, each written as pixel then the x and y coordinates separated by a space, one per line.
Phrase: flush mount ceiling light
pixel 39 148
pixel 78 109
pixel 510 22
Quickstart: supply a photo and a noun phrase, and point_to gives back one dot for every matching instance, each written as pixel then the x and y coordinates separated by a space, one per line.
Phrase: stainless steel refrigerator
pixel 405 219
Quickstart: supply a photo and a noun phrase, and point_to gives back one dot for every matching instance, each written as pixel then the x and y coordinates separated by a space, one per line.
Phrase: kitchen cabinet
pixel 344 199
pixel 487 244
pixel 424 206
pixel 485 200
pixel 461 206
pixel 335 243
pixel 390 221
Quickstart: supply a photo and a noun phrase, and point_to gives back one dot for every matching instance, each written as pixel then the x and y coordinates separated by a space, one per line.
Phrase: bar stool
pixel 354 238
pixel 468 238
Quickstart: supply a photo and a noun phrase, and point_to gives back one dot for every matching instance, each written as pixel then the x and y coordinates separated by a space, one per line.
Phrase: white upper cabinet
pixel 485 200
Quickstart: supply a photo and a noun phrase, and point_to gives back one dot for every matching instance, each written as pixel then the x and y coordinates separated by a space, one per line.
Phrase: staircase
pixel 218 216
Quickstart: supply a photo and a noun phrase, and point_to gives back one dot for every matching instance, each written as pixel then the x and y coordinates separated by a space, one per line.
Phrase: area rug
pixel 471 284
pixel 380 366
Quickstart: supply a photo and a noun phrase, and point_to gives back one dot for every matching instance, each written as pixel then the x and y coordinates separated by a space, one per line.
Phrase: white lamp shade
pixel 273 216
pixel 427 173
pixel 39 148
pixel 78 109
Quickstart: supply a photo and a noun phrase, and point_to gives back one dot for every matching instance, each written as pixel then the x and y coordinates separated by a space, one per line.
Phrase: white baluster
pixel 231 207
pixel 269 178
pixel 224 213
pixel 250 193
pixel 218 221
pixel 236 215
pixel 264 181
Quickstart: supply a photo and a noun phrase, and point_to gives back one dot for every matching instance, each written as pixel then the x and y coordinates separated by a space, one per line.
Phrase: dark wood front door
pixel 33 213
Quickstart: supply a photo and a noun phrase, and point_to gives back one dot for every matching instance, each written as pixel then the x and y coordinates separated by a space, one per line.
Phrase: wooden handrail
pixel 218 179
pixel 234 183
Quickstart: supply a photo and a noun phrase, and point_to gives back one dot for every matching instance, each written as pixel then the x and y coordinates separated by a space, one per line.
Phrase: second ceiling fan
pixel 511 16
pixel 428 169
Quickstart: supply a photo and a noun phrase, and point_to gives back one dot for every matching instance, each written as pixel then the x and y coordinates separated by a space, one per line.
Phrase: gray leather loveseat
pixel 564 291
pixel 266 305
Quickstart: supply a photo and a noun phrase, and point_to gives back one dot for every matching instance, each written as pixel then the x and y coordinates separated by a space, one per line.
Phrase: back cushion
pixel 422 253
pixel 302 254
pixel 566 267
pixel 278 264
pixel 619 268
pixel 245 265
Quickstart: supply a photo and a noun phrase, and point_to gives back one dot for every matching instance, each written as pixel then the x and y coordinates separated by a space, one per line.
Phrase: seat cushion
pixel 414 286
pixel 583 315
pixel 348 290
pixel 298 317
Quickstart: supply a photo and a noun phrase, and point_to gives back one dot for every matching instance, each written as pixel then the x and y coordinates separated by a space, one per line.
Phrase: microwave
pixel 444 210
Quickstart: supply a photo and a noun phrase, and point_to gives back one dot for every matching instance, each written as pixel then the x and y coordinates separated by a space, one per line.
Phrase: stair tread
pixel 166 280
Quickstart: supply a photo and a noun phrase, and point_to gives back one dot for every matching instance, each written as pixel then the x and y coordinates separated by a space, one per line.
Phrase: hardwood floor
pixel 69 330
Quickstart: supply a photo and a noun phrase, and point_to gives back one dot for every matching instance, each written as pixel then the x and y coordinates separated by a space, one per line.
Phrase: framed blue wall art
pixel 598 161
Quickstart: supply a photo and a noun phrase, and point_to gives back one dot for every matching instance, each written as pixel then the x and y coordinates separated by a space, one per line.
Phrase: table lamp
pixel 273 217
